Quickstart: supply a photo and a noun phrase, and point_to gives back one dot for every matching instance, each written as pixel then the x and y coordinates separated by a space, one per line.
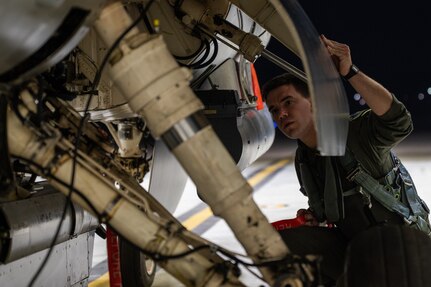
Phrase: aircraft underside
pixel 97 94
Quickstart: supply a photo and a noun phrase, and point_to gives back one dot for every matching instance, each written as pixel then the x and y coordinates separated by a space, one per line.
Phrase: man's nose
pixel 283 114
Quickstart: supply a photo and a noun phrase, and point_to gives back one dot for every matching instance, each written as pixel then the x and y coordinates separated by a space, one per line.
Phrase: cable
pixel 145 18
pixel 289 259
pixel 192 55
pixel 79 51
pixel 98 75
pixel 81 125
pixel 213 56
pixel 204 56
pixel 47 173
pixel 161 257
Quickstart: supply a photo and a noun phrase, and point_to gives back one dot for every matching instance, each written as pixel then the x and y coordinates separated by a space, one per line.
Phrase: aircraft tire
pixel 137 270
pixel 388 256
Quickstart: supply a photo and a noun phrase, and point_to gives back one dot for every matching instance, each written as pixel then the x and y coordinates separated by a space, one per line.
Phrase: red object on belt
pixel 113 258
pixel 289 223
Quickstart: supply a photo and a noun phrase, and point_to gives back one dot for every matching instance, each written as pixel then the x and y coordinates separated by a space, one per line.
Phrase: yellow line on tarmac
pixel 102 281
pixel 196 219
pixel 260 176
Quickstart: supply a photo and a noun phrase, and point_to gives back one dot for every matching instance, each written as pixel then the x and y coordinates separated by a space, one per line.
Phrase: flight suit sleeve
pixel 390 128
pixel 371 137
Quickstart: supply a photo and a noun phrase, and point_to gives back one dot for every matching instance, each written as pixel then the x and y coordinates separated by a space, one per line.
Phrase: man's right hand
pixel 340 54
pixel 309 217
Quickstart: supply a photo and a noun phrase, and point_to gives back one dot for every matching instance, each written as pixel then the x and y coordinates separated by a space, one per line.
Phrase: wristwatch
pixel 353 71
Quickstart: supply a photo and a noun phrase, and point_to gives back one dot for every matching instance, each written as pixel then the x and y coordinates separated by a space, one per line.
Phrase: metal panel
pixel 255 127
pixel 168 178
pixel 257 132
pixel 32 223
pixel 69 265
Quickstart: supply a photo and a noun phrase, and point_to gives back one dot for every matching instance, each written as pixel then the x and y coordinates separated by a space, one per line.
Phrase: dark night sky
pixel 389 40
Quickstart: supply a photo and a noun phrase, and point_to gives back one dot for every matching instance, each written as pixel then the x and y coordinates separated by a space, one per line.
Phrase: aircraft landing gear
pixel 137 269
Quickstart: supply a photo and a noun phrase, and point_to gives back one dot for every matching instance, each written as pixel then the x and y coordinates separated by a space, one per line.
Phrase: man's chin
pixel 290 135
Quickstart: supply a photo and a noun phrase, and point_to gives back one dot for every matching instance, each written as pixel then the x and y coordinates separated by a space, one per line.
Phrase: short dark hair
pixel 285 79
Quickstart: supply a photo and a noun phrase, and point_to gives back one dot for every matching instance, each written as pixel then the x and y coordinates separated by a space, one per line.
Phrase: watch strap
pixel 353 71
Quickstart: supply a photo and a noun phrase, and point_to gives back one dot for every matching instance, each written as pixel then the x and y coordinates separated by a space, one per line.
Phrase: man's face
pixel 291 111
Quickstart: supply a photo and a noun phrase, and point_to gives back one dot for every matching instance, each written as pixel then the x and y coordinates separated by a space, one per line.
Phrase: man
pixel 335 191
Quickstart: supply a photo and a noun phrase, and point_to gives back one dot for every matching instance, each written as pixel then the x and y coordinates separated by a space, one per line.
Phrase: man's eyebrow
pixel 284 98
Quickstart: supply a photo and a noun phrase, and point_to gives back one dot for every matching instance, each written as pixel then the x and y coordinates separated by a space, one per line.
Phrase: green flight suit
pixel 370 139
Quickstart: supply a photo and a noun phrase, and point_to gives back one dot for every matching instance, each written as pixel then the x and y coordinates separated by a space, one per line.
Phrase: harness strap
pixel 416 212
pixel 411 194
pixel 395 191
pixel 350 192
pixel 378 191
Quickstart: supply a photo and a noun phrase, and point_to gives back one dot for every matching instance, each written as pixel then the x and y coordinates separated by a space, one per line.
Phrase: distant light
pixel 429 91
pixel 421 96
pixel 357 96
pixel 362 102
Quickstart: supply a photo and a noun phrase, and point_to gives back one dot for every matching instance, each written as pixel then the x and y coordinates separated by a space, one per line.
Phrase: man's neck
pixel 310 140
